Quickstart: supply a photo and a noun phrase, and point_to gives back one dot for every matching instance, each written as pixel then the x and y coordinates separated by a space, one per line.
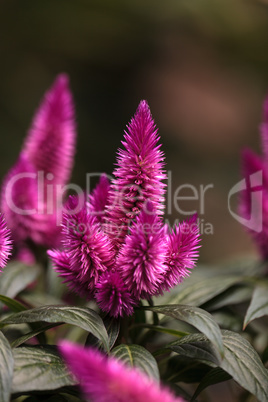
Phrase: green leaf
pixel 38 369
pixel 112 326
pixel 164 330
pixel 137 356
pixel 6 368
pixel 196 347
pixel 14 305
pixel 196 317
pixel 16 277
pixel 198 293
pixel 240 361
pixel 38 330
pixel 84 318
pixel 214 376
pixel 233 295
pixel 183 369
pixel 258 306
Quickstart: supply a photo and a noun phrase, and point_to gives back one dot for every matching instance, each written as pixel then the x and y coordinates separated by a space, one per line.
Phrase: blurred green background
pixel 201 64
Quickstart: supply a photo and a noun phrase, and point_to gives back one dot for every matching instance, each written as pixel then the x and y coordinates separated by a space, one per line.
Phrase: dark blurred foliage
pixel 201 64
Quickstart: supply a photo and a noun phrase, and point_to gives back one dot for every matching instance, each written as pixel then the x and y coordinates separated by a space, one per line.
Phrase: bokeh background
pixel 201 64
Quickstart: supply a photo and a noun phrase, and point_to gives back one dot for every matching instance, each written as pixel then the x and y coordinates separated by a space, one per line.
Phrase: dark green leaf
pixel 112 326
pixel 84 318
pixel 14 305
pixel 38 330
pixel 194 346
pixel 6 368
pixel 198 293
pixel 164 330
pixel 38 369
pixel 240 360
pixel 258 306
pixel 184 369
pixel 137 356
pixel 214 376
pixel 16 277
pixel 195 316
pixel 233 295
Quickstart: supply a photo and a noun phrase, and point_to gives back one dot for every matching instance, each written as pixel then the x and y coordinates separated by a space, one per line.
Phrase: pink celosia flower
pixel 138 176
pixel 182 252
pixel 141 259
pixel 113 295
pixel 5 243
pixel 254 199
pixel 253 206
pixel 105 379
pixel 136 259
pixel 29 196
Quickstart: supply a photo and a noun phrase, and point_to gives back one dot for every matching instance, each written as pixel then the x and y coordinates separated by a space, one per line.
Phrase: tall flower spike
pixel 5 243
pixel 138 176
pixel 47 155
pixel 253 205
pixel 141 259
pixel 105 379
pixel 90 251
pixel 182 252
pixel 113 296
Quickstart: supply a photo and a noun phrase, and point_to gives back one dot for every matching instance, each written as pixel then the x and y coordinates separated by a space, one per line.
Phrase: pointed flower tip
pixel 62 80
pixel 143 110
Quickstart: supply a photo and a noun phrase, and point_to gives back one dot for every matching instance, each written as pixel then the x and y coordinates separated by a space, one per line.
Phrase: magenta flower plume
pixel 46 159
pixel 50 144
pixel 253 206
pixel 113 296
pixel 5 243
pixel 115 245
pixel 182 252
pixel 99 198
pixel 105 379
pixel 141 259
pixel 138 176
pixel 89 249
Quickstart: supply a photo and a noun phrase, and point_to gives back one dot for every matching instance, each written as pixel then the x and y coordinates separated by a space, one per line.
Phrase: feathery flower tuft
pixel 105 379
pixel 5 242
pixel 99 198
pixel 141 260
pixel 87 246
pixel 182 252
pixel 47 156
pixel 113 296
pixel 138 176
